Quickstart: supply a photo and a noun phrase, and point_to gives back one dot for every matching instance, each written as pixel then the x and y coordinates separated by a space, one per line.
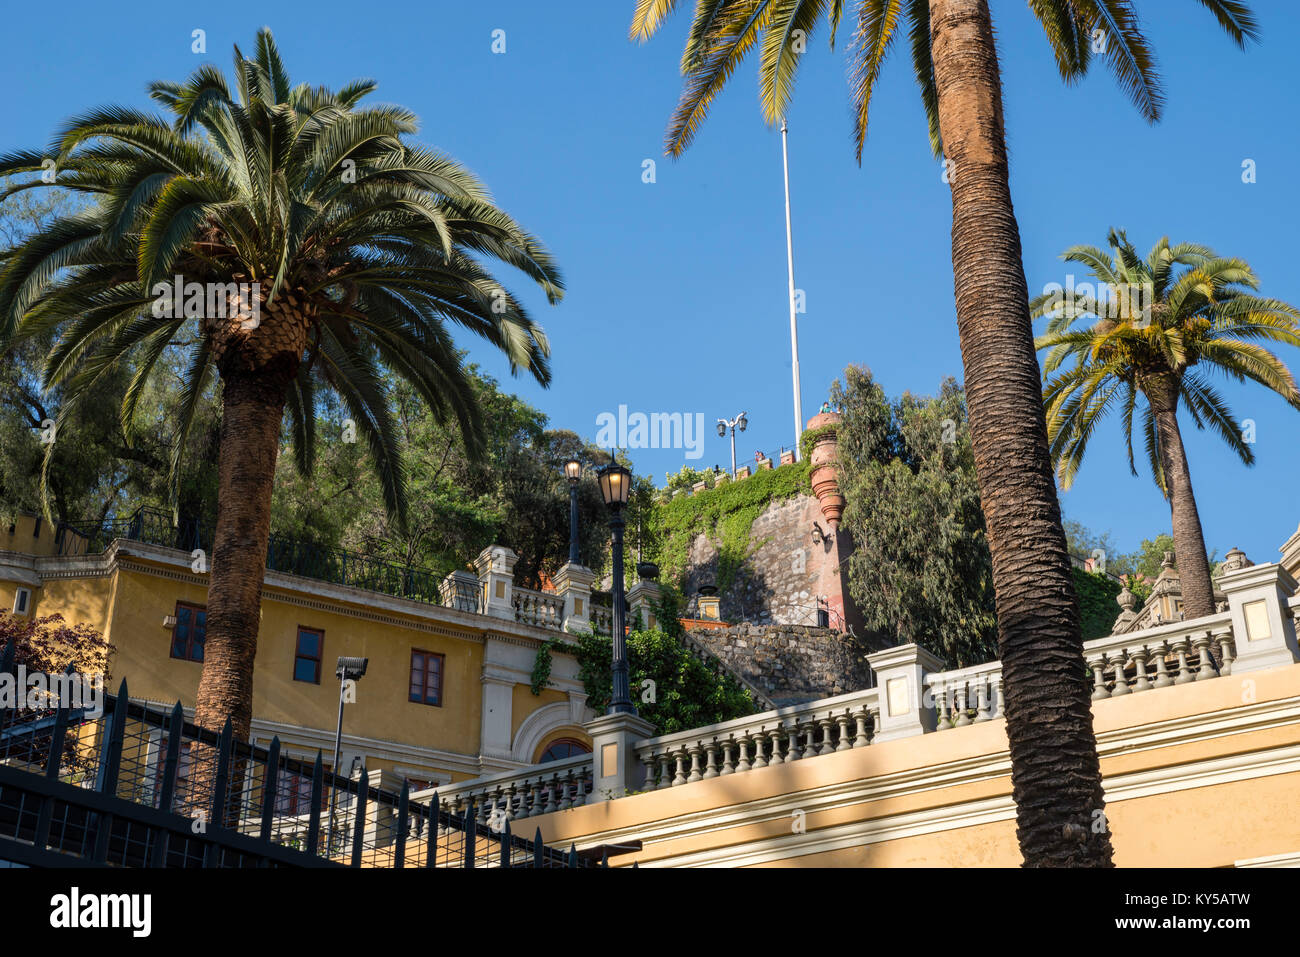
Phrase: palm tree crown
pixel 360 249
pixel 723 32
pixel 1194 322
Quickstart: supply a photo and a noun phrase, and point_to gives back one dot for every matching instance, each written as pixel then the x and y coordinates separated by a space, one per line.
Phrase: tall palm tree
pixel 358 249
pixel 1055 772
pixel 1159 333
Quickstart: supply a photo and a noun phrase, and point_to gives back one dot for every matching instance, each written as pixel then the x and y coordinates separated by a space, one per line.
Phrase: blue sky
pixel 677 288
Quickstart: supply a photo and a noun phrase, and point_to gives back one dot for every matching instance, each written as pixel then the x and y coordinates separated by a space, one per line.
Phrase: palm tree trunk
pixel 1189 541
pixel 252 409
pixel 1055 772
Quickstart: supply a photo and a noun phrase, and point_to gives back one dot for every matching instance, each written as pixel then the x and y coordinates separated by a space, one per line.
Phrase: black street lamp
pixel 349 669
pixel 741 421
pixel 573 472
pixel 615 482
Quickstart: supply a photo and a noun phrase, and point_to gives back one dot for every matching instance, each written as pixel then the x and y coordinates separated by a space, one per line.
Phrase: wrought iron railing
pixel 322 562
pixel 136 785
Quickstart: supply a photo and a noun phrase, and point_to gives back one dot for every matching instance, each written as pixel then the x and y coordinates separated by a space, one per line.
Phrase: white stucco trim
pixel 542 722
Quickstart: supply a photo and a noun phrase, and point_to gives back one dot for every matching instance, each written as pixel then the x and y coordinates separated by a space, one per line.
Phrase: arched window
pixel 563 748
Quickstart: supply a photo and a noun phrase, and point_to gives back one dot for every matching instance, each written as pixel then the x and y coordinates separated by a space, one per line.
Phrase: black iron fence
pixel 132 784
pixel 324 563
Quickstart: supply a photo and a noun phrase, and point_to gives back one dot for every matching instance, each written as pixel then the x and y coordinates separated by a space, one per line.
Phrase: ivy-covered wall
pixel 752 538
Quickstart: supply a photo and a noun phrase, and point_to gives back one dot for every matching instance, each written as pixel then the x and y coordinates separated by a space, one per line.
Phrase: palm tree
pixel 1191 323
pixel 1055 772
pixel 356 248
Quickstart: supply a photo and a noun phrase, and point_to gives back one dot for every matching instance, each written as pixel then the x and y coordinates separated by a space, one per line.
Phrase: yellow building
pixel 447 694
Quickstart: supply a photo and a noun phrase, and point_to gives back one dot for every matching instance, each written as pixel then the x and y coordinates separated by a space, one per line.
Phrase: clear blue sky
pixel 677 289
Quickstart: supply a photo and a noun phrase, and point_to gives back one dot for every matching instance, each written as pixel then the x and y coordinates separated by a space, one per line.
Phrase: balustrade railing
pixel 512 795
pixel 1174 653
pixel 793 733
pixel 538 608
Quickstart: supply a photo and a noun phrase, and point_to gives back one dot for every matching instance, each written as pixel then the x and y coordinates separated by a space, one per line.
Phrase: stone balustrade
pixel 1170 654
pixel 966 696
pixel 602 619
pixel 538 608
pixel 525 792
pixel 792 733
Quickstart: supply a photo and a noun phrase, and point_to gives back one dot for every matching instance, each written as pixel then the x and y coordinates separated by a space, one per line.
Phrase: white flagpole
pixel 794 328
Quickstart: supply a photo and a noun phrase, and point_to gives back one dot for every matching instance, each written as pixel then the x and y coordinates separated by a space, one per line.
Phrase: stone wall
pixel 791 663
pixel 786 570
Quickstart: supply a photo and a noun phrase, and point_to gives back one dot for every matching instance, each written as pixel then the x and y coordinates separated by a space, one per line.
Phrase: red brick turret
pixel 824 475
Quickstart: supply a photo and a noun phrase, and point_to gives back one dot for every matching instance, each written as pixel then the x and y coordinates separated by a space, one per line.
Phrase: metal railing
pixel 136 785
pixel 292 557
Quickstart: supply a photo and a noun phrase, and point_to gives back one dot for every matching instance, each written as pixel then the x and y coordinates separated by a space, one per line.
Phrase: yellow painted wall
pixel 1186 824
pixel 130 604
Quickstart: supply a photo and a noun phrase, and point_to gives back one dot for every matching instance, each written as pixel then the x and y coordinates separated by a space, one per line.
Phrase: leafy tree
pixel 1097 606
pixel 331 247
pixel 1057 781
pixel 1200 320
pixel 920 569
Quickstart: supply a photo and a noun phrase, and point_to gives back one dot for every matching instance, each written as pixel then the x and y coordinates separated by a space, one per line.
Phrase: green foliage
pixel 1097 606
pixel 669 685
pixel 687 478
pixel 246 180
pixel 1202 319
pixel 541 675
pixel 811 437
pixel 726 514
pixel 921 570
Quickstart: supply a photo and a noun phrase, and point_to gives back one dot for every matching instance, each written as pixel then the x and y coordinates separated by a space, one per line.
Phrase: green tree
pixel 330 248
pixel 1055 773
pixel 920 569
pixel 1198 320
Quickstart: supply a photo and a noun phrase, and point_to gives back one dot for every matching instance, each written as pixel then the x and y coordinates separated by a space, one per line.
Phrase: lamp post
pixel 723 425
pixel 573 472
pixel 615 482
pixel 349 669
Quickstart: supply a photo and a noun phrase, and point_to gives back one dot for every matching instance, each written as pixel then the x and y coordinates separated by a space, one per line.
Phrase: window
pixel 293 794
pixel 307 657
pixel 22 601
pixel 190 630
pixel 426 677
pixel 563 748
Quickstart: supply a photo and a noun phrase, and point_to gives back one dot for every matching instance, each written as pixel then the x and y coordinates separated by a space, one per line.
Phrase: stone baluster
pixel 774 738
pixel 1226 650
pixel 826 725
pixel 791 731
pixel 711 760
pixel 1121 680
pixel 963 704
pixel 742 763
pixel 679 757
pixel 1182 648
pixel 648 762
pixel 1207 670
pixel 665 771
pixel 727 767
pixel 843 722
pixel 552 802
pixel 537 802
pixel 1162 670
pixel 940 692
pixel 1140 682
pixel 760 761
pixel 810 733
pixel 860 719
pixel 982 701
pixel 696 752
